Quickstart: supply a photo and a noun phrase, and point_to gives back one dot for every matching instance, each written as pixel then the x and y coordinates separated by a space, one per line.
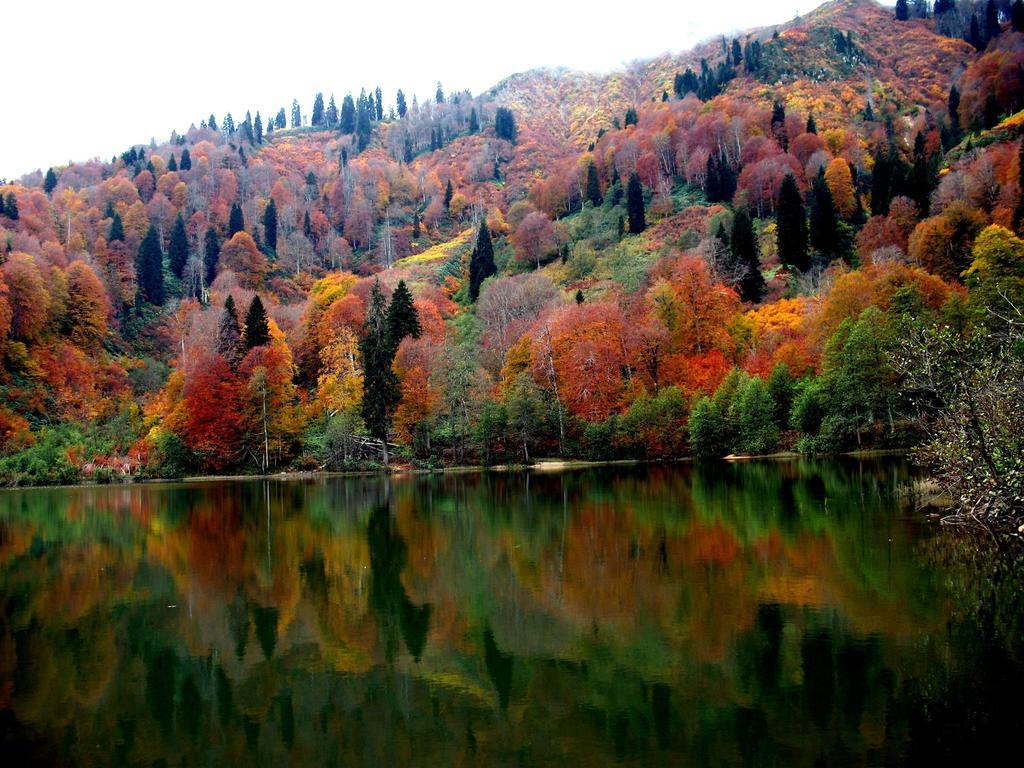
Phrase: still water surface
pixel 776 614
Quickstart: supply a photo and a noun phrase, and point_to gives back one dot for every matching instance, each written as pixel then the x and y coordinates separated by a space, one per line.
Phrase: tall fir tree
pixel 364 128
pixel 229 336
pixel 236 221
pixel 381 392
pixel 257 326
pixel 481 262
pixel 50 182
pixel 824 226
pixel 332 113
pixel 992 28
pixel 474 121
pixel 296 114
pixel 902 10
pixel 791 226
pixel 116 228
pixel 317 118
pixel 11 209
pixel 186 160
pixel 402 320
pixel 270 225
pixel 149 267
pixel 172 164
pixel 177 248
pixel 881 185
pixel 448 193
pixel 257 128
pixel 347 121
pixel 812 126
pixel 211 254
pixel 635 205
pixel 400 104
pixel 746 262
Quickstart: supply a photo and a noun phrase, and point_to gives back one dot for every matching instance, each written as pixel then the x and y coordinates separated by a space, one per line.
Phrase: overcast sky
pixel 91 78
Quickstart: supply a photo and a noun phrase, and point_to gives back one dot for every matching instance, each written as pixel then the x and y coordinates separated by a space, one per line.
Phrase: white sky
pixel 91 78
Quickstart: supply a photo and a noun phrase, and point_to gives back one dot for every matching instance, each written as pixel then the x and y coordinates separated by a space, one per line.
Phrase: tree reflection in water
pixel 739 614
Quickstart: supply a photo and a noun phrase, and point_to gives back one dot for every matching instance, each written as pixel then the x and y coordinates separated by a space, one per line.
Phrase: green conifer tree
pixel 149 267
pixel 481 263
pixel 635 205
pixel 270 224
pixel 381 392
pixel 257 326
pixel 791 226
pixel 745 259
pixel 50 182
pixel 211 254
pixel 177 248
pixel 236 221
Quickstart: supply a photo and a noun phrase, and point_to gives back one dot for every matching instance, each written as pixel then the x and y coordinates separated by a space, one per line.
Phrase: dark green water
pixel 776 614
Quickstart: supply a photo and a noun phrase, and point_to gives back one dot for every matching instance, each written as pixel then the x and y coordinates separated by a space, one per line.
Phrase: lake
pixel 765 613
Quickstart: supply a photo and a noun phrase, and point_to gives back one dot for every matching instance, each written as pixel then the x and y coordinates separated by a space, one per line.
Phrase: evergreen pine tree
pixel 402 319
pixel 745 260
pixel 824 227
pixel 177 249
pixel 317 118
pixel 347 121
pixel 211 123
pixel 116 229
pixel 172 164
pixel 992 28
pixel 881 185
pixel 307 226
pixel 229 337
pixel 593 186
pixel 505 124
pixel 378 99
pixel 400 104
pixel 448 192
pixel 149 267
pixel 257 128
pixel 579 296
pixel 974 36
pixel 363 125
pixel 474 123
pixel 415 226
pixel 280 121
pixel 812 126
pixel 381 392
pixel 954 110
pixel 50 181
pixel 902 10
pixel 332 113
pixel 481 262
pixel 779 125
pixel 791 226
pixel 270 224
pixel 635 205
pixel 211 254
pixel 257 327
pixel 236 221
pixel 186 160
pixel 296 114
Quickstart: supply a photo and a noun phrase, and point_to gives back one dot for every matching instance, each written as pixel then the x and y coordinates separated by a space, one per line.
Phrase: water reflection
pixel 745 614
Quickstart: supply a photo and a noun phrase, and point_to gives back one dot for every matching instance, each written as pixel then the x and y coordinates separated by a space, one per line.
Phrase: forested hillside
pixel 804 237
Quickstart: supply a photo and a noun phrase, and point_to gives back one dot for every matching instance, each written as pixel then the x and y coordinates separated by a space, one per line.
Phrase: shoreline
pixel 542 465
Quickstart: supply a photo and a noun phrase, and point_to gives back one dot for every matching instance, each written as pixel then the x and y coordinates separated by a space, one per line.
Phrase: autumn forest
pixel 804 238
